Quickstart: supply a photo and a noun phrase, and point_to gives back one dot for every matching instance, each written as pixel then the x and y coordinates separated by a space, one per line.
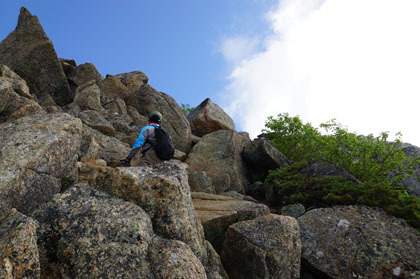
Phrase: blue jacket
pixel 145 140
pixel 146 137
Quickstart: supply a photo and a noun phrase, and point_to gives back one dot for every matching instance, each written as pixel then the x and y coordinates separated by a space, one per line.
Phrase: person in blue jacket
pixel 145 142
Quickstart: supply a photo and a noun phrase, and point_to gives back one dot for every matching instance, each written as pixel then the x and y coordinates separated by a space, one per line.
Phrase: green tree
pixel 370 159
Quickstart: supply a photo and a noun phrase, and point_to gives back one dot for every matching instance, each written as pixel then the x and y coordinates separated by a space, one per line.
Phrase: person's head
pixel 155 117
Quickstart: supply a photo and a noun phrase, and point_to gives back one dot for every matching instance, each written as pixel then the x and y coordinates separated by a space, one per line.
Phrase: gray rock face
pixel 356 241
pixel 5 89
pixel 172 259
pixel 18 106
pixel 19 256
pixel 412 183
pixel 200 182
pixel 18 84
pixel 88 97
pixel 139 120
pixel 112 88
pixel 262 157
pixel 30 53
pixel 217 213
pixel 266 247
pixel 147 99
pixel 133 80
pixel 293 210
pixel 214 269
pixel 96 145
pixel 84 73
pixel 85 233
pixel 219 155
pixel 96 121
pixel 209 117
pixel 37 155
pixel 163 192
pixel 11 83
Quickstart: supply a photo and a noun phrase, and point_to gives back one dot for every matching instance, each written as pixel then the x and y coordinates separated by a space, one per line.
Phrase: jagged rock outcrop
pixel 88 97
pixel 146 99
pixel 139 120
pixel 18 84
pixel 5 89
pixel 29 52
pixel 84 233
pixel 18 106
pixel 361 242
pixel 96 121
pixel 262 156
pixel 84 73
pixel 112 88
pixel 266 247
pixel 38 154
pixel 133 80
pixel 15 98
pixel 96 145
pixel 219 155
pixel 19 257
pixel 217 213
pixel 209 117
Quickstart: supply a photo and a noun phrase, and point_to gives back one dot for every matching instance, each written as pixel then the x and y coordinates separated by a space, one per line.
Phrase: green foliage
pixel 291 185
pixel 377 163
pixel 370 159
pixel 187 109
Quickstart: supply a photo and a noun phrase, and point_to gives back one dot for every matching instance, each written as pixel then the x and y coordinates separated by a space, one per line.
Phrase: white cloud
pixel 357 61
pixel 236 49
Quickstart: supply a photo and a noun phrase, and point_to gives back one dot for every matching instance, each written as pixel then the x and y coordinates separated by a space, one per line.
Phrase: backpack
pixel 164 146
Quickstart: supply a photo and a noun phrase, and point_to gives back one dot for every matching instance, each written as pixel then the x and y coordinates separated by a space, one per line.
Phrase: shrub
pixel 290 185
pixel 370 159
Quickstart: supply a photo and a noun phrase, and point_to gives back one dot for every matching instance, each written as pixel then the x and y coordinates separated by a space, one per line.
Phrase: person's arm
pixel 133 153
pixel 141 139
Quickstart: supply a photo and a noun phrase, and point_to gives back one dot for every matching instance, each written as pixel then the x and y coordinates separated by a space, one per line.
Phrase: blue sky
pixel 176 43
pixel 356 61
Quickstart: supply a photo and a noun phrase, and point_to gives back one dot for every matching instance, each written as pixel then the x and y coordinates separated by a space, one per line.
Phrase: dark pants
pixel 149 158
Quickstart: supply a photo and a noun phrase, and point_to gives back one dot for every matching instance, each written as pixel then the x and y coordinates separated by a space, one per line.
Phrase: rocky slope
pixel 67 210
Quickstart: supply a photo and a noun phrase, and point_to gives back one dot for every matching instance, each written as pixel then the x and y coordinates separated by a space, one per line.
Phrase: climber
pixel 155 144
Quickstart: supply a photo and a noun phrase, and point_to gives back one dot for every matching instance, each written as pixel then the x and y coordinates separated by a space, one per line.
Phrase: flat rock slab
pixel 217 213
pixel 359 242
pixel 266 247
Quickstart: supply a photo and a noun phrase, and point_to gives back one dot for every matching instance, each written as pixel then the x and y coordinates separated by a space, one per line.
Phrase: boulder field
pixel 68 210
